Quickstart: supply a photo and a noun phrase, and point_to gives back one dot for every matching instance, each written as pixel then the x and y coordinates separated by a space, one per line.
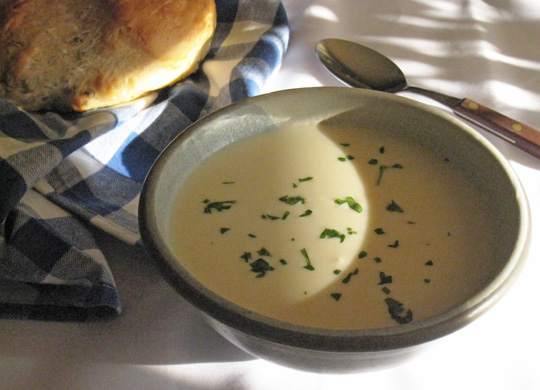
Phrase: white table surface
pixel 485 50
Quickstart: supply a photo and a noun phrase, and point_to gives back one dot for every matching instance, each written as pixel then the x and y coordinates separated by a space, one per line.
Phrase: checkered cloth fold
pixel 61 172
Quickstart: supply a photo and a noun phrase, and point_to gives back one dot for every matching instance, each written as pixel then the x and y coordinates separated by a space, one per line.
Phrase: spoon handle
pixel 522 136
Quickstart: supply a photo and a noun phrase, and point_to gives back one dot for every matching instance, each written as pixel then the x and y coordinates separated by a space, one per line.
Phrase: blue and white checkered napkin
pixel 59 173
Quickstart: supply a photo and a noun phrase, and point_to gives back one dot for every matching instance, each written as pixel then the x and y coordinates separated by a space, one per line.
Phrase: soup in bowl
pixel 334 229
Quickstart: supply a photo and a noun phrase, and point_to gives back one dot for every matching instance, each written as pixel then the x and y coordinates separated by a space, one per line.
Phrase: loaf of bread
pixel 82 54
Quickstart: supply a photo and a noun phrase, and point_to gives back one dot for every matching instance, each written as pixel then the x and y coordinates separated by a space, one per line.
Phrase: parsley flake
pixel 260 267
pixel 393 206
pixel 217 206
pixel 382 168
pixel 308 265
pixel 398 312
pixel 384 279
pixel 270 217
pixel 336 296
pixel 332 233
pixel 306 213
pixel 263 252
pixel 353 205
pixel 246 256
pixel 349 276
pixel 394 245
pixel 292 200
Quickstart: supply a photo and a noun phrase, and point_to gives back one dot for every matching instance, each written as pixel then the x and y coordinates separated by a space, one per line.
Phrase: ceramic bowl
pixel 314 348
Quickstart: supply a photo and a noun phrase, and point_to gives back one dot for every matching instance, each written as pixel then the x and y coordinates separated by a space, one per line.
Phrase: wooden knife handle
pixel 517 133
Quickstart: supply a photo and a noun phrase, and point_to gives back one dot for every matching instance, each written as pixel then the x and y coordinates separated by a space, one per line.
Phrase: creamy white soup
pixel 333 227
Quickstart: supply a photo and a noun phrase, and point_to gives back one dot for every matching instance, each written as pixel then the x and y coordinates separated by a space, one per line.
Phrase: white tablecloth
pixel 485 50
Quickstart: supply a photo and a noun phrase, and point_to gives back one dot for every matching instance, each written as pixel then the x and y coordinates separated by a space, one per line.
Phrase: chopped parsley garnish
pixel 292 200
pixel 397 311
pixel 217 206
pixel 385 279
pixel 429 262
pixel 229 182
pixel 260 267
pixel 345 144
pixel 362 254
pixel 337 271
pixel 308 265
pixel 332 233
pixel 343 159
pixel 270 217
pixel 252 235
pixel 373 161
pixel 246 256
pixel 382 168
pixel 351 202
pixel 381 150
pixel 263 252
pixel 301 180
pixel 386 290
pixel 351 231
pixel 379 231
pixel 282 261
pixel 224 230
pixel 394 245
pixel 427 280
pixel 349 276
pixel 285 215
pixel 306 213
pixel 393 206
pixel 377 259
pixel 336 296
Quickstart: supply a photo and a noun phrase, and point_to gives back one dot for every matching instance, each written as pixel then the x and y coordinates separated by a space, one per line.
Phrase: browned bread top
pixel 75 54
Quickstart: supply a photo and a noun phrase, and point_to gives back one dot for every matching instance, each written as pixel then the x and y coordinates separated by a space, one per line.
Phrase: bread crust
pixel 84 54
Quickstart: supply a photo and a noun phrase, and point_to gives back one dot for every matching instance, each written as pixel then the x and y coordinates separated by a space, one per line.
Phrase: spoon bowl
pixel 362 67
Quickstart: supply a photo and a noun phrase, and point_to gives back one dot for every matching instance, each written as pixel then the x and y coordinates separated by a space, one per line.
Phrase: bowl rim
pixel 320 339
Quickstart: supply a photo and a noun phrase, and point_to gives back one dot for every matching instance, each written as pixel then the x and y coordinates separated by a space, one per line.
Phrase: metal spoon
pixel 362 67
